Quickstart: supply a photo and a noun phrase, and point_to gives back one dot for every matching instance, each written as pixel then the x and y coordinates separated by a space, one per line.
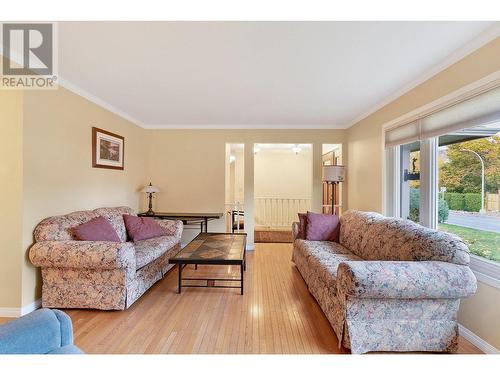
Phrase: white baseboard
pixel 9 312
pixel 477 341
pixel 16 312
pixel 250 247
pixel 31 307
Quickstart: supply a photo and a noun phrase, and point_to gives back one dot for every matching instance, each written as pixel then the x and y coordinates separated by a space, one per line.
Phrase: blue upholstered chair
pixel 43 331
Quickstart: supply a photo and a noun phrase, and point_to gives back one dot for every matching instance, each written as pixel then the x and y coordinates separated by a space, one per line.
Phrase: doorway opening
pixel 282 188
pixel 235 187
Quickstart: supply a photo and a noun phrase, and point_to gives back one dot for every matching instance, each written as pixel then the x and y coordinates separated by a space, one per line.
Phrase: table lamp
pixel 333 174
pixel 150 190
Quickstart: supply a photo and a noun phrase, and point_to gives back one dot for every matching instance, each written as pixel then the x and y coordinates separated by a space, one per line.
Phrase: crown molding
pixel 61 81
pixel 96 100
pixel 479 41
pixel 243 126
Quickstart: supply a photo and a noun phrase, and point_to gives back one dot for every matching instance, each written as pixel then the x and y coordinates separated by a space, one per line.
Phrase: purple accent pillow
pixel 302 226
pixel 322 227
pixel 142 228
pixel 97 229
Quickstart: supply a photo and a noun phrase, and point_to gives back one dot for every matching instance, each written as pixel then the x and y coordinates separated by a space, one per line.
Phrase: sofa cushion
pixel 322 227
pixel 325 258
pixel 97 229
pixel 375 237
pixel 401 240
pixel 142 228
pixel 115 216
pixel 302 226
pixel 151 249
pixel 353 225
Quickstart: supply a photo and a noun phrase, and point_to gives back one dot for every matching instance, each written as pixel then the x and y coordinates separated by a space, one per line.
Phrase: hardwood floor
pixel 275 315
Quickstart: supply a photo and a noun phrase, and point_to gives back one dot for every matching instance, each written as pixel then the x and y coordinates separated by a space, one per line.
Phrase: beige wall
pixel 57 172
pixel 189 167
pixel 365 159
pixel 11 197
pixel 282 174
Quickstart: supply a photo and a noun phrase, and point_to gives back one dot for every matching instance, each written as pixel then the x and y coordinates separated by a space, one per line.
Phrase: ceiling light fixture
pixel 232 158
pixel 296 149
pixel 256 149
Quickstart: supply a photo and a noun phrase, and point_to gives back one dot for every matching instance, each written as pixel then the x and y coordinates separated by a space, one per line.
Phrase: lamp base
pixel 150 212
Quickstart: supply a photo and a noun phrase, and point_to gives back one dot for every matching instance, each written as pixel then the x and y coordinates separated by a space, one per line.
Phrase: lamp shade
pixel 333 173
pixel 150 189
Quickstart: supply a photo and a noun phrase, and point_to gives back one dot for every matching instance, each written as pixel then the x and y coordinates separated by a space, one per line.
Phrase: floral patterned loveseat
pixel 389 285
pixel 99 275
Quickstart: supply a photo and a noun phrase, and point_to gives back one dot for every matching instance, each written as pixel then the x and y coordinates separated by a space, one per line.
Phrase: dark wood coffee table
pixel 215 249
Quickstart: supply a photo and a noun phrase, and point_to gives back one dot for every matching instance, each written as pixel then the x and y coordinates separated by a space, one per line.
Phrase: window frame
pixel 486 271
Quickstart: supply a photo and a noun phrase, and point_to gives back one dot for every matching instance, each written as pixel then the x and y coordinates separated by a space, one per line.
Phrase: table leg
pixel 180 279
pixel 206 225
pixel 241 277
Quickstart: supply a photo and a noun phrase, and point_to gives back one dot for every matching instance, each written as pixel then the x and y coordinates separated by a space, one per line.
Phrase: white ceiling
pixel 255 74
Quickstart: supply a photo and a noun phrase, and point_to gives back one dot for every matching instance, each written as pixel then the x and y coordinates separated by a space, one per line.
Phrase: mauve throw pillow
pixel 97 229
pixel 322 227
pixel 142 228
pixel 302 226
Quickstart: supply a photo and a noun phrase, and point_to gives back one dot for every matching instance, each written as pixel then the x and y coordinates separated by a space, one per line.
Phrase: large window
pixel 443 171
pixel 469 184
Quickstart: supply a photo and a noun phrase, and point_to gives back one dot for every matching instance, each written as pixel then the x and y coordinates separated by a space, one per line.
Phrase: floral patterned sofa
pixel 99 275
pixel 389 285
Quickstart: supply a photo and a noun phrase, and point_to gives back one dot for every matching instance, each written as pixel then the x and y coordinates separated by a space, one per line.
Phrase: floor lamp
pixel 333 174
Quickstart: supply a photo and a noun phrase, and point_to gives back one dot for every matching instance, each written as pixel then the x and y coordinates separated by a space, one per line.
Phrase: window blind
pixel 407 133
pixel 481 109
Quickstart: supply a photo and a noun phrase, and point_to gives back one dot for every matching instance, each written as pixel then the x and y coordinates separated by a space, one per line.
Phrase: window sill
pixel 486 271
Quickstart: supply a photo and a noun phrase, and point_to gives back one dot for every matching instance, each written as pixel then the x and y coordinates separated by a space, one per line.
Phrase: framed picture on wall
pixel 107 149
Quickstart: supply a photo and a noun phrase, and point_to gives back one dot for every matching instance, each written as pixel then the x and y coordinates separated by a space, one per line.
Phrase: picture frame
pixel 108 149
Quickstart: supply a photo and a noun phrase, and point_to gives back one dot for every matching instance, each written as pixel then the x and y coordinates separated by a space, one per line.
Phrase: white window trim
pixel 392 198
pixel 429 182
pixel 486 271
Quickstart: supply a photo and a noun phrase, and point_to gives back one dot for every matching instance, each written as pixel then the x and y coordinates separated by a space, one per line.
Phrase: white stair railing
pixel 279 212
pixel 235 216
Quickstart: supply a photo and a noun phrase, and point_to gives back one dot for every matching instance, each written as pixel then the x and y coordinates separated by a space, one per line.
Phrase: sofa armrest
pixel 411 280
pixel 39 332
pixel 66 327
pixel 172 227
pixel 83 254
pixel 295 230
